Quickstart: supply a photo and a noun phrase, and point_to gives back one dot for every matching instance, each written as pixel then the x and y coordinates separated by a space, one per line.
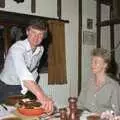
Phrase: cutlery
pixel 54 115
pixel 4 107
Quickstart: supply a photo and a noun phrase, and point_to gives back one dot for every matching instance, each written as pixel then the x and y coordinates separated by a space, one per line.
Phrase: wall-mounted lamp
pixel 19 1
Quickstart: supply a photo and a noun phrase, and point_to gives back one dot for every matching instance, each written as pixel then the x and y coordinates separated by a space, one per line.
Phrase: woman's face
pixel 35 36
pixel 98 65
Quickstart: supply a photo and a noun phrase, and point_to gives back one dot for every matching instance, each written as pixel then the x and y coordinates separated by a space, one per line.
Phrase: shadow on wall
pixel 113 70
pixel 43 67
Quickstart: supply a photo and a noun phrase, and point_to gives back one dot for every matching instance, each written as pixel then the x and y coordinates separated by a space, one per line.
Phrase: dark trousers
pixel 8 90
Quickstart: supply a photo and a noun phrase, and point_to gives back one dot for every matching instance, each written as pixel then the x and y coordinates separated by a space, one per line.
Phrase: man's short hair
pixel 39 24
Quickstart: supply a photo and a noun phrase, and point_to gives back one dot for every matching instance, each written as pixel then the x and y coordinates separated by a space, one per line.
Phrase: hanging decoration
pixel 19 1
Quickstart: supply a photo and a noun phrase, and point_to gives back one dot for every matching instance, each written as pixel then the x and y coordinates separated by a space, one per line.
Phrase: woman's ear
pixel 105 65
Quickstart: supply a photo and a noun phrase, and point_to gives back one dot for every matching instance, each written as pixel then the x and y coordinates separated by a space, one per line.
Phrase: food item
pixel 93 117
pixel 30 107
pixel 29 104
pixel 12 100
pixel 12 118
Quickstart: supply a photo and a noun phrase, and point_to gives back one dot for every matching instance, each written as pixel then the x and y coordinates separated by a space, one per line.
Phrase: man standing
pixel 21 64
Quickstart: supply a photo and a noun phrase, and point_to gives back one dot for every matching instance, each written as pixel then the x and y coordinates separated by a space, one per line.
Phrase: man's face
pixel 35 36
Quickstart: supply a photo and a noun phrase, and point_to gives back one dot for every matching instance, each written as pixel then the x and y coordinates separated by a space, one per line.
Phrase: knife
pixel 54 115
pixel 4 107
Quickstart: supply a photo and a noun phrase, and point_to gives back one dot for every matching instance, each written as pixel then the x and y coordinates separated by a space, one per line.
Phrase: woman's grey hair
pixel 103 53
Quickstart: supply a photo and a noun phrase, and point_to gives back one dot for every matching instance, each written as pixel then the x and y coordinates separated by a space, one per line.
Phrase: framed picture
pixel 2 3
pixel 89 38
pixel 90 23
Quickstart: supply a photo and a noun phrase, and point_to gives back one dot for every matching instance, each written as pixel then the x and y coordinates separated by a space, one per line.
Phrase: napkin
pixel 85 114
pixel 6 111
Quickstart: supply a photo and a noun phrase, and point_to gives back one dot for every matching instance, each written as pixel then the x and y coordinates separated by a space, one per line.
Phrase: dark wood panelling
pixel 107 2
pixel 12 17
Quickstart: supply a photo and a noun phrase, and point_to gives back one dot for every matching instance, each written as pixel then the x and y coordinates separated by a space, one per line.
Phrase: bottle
pixel 63 114
pixel 73 108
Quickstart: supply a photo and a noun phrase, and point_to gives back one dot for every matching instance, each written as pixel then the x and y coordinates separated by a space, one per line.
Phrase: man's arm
pixel 47 102
pixel 34 88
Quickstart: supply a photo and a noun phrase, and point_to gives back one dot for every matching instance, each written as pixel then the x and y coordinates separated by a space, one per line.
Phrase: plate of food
pixel 12 100
pixel 93 117
pixel 30 108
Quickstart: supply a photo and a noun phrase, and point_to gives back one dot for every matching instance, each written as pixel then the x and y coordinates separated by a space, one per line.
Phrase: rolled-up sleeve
pixel 21 69
pixel 19 64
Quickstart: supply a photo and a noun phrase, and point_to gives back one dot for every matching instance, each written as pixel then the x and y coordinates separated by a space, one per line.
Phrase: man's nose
pixel 36 36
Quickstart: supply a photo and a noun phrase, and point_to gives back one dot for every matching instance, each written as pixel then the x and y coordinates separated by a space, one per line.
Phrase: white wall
pixel 11 5
pixel 105 35
pixel 43 7
pixel 70 12
pixel 88 11
pixel 105 31
pixel 105 12
pixel 48 8
pixel 117 50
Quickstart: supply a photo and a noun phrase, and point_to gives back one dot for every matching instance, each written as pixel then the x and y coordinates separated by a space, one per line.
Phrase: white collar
pixel 28 48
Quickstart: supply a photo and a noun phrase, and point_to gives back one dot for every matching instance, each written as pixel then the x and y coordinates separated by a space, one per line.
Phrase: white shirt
pixel 21 64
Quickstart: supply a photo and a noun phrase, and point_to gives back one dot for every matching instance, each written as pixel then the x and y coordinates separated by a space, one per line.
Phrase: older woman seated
pixel 102 92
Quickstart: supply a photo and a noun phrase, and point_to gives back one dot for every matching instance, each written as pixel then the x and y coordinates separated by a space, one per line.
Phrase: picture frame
pixel 2 3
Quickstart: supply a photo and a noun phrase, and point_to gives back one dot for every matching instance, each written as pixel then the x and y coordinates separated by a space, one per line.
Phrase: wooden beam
pixel 80 47
pixel 33 6
pixel 109 22
pixel 106 2
pixel 98 17
pixel 59 8
pixel 112 38
pixel 12 17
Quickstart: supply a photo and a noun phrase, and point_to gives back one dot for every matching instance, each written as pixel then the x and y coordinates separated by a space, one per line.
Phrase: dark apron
pixel 8 90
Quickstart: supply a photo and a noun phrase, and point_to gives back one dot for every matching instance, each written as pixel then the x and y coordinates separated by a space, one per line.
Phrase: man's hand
pixel 47 103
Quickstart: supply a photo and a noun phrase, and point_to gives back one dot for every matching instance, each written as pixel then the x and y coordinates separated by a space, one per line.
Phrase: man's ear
pixel 27 32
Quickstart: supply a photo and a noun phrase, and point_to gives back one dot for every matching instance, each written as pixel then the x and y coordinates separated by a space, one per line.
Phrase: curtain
pixel 56 53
